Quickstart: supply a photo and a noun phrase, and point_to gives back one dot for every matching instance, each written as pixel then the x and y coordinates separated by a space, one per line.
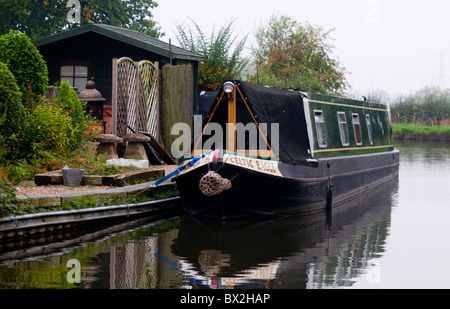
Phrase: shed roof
pixel 127 36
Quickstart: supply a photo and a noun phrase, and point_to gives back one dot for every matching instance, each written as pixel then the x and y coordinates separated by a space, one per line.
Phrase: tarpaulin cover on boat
pixel 269 106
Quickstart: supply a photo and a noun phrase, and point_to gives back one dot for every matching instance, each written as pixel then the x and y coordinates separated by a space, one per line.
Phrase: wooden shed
pixel 88 51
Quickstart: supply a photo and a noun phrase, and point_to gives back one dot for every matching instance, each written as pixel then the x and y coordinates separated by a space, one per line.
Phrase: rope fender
pixel 213 184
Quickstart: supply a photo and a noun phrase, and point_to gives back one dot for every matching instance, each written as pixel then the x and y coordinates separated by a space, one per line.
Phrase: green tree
pixel 134 15
pixel 222 49
pixel 12 114
pixel 293 55
pixel 26 64
pixel 40 18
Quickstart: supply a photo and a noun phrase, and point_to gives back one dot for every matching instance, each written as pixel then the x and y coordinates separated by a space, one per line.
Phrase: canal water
pixel 395 236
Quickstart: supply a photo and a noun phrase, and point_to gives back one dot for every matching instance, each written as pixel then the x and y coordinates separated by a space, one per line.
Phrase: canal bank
pixel 88 207
pixel 420 133
pixel 421 137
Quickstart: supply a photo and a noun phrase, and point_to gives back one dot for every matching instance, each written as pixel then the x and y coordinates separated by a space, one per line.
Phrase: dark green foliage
pixel 12 114
pixel 26 64
pixel 39 18
pixel 134 15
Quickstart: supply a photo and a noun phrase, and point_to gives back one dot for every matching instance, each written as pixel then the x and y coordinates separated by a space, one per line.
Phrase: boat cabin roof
pixel 293 111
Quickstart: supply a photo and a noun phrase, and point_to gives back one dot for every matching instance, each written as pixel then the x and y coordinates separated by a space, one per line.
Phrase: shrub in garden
pixel 12 114
pixel 48 127
pixel 26 64
pixel 68 100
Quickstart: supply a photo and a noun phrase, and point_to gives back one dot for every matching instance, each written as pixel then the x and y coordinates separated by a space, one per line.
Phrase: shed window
pixel 369 129
pixel 343 129
pixel 77 75
pixel 357 129
pixel 321 132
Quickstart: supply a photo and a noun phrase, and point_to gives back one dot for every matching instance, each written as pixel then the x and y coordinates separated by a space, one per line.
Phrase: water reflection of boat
pixel 295 252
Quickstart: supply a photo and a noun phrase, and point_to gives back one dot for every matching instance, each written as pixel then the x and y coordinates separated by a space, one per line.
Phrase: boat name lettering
pixel 242 161
pixel 269 167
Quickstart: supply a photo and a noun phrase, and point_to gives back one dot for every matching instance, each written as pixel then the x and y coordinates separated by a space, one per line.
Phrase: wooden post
pixel 231 126
pixel 114 96
pixel 158 103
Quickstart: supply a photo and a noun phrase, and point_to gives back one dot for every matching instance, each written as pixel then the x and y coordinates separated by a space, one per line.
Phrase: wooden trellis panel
pixel 149 94
pixel 135 97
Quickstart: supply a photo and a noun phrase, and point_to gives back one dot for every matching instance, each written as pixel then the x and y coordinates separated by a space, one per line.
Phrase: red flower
pixel 70 111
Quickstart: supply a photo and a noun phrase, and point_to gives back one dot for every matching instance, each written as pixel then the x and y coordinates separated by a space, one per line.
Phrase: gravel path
pixel 31 189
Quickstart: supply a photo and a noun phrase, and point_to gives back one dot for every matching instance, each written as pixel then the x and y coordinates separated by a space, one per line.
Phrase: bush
pixel 12 114
pixel 26 64
pixel 68 100
pixel 48 127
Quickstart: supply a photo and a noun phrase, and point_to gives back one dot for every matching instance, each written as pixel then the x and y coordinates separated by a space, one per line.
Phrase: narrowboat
pixel 263 152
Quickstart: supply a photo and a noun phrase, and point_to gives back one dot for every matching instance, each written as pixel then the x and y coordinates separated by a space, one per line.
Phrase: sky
pixel 394 46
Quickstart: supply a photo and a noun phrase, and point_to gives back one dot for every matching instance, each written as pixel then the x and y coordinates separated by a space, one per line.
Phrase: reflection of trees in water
pixel 351 260
pixel 430 154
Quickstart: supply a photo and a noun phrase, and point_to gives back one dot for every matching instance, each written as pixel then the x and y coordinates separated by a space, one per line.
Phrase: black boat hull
pixel 301 189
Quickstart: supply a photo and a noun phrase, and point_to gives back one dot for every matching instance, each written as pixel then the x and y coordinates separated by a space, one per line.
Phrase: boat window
pixel 369 129
pixel 343 129
pixel 321 132
pixel 357 129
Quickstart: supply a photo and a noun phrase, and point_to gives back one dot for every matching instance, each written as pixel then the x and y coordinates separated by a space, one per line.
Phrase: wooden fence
pixel 151 100
pixel 135 97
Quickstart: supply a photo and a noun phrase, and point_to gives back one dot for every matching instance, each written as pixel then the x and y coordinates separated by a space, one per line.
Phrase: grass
pixel 418 128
